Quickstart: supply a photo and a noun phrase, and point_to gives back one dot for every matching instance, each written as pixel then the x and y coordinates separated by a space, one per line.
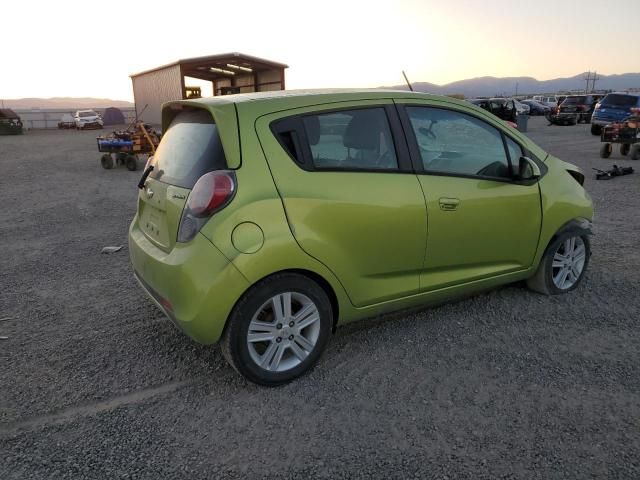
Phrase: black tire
pixel 596 129
pixel 635 152
pixel 542 282
pixel 605 150
pixel 625 148
pixel 131 163
pixel 234 339
pixel 106 161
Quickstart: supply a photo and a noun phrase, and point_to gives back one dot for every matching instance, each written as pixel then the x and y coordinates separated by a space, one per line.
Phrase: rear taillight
pixel 212 192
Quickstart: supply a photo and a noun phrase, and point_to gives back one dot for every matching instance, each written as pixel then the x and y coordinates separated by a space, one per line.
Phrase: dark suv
pixel 577 108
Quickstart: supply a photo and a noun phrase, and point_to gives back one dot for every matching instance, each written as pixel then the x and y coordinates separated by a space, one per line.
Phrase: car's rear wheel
pixel 635 152
pixel 625 148
pixel 563 265
pixel 278 330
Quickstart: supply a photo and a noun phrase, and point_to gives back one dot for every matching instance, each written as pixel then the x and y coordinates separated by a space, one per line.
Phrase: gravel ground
pixel 509 384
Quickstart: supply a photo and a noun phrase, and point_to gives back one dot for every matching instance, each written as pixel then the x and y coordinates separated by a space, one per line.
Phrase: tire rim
pixel 568 263
pixel 283 332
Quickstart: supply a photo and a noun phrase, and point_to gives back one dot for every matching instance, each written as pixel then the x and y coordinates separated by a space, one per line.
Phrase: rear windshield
pixel 619 100
pixel 190 148
pixel 575 100
pixel 88 114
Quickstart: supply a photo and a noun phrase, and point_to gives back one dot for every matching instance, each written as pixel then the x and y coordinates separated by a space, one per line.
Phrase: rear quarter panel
pixel 257 202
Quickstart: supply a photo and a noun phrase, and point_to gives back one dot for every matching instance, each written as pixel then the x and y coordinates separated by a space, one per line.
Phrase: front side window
pixel 456 143
pixel 351 139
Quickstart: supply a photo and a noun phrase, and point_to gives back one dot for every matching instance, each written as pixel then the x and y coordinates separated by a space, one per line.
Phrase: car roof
pixel 308 97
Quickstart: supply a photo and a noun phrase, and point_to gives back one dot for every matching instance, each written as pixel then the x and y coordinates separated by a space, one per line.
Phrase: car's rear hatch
pixel 190 148
pixel 616 106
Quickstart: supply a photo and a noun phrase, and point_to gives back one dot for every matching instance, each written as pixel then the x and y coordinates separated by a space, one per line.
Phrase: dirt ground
pixel 95 383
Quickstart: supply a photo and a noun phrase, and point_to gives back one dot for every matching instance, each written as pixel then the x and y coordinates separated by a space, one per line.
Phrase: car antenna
pixel 407 80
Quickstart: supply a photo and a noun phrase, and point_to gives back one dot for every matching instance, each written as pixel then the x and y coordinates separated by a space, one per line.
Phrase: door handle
pixel 449 204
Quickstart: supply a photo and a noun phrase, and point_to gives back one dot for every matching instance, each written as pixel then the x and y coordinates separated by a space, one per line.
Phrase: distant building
pixel 228 73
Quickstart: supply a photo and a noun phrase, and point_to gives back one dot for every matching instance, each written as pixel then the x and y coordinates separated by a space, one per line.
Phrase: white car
pixel 521 107
pixel 87 119
pixel 549 101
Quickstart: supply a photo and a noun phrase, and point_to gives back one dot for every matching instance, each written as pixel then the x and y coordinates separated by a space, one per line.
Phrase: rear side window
pixel 618 100
pixel 351 140
pixel 189 148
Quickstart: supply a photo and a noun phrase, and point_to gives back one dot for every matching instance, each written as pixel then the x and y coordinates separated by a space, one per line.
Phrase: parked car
pixel 614 107
pixel 550 101
pixel 10 122
pixel 87 119
pixel 503 108
pixel 67 121
pixel 577 108
pixel 318 217
pixel 536 108
pixel 521 108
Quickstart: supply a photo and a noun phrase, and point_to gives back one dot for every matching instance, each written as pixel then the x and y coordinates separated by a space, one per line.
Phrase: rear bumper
pixel 194 285
pixel 604 121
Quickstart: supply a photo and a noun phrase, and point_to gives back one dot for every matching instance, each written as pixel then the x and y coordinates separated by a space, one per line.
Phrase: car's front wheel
pixel 563 265
pixel 278 330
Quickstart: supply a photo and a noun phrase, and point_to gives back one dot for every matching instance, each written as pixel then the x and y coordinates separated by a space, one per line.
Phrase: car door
pixel 481 221
pixel 350 195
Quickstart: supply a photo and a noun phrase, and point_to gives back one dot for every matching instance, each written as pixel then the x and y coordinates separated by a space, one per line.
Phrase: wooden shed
pixel 228 73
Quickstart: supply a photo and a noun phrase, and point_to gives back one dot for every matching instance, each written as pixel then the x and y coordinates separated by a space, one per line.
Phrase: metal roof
pixel 232 63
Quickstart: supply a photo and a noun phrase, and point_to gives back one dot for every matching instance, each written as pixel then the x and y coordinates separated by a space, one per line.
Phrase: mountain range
pixel 473 87
pixel 64 102
pixel 490 86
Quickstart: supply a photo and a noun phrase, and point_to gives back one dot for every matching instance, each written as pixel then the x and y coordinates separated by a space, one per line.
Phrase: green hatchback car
pixel 265 220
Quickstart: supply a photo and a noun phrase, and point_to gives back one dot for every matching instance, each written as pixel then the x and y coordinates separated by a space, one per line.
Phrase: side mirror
pixel 528 169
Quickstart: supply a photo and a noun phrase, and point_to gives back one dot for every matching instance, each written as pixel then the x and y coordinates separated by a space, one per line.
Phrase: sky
pixel 89 49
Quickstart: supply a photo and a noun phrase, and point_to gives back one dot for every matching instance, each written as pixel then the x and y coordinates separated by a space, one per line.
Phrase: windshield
pixel 87 114
pixel 190 148
pixel 620 100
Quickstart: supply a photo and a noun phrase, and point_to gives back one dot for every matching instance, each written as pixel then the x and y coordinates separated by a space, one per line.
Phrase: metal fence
pixel 49 117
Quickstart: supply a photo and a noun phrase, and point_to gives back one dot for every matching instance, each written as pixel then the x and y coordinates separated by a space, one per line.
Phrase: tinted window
pixel 453 142
pixel 351 139
pixel 576 100
pixel 618 100
pixel 190 148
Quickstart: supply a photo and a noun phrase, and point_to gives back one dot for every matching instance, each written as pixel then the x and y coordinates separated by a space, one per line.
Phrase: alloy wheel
pixel 568 263
pixel 283 332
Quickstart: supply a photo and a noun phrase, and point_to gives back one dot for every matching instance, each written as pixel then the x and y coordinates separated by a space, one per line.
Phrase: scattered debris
pixel 5 319
pixel 4 338
pixel 616 171
pixel 111 249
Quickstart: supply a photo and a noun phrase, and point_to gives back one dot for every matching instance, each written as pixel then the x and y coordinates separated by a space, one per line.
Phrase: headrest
pixel 362 132
pixel 312 127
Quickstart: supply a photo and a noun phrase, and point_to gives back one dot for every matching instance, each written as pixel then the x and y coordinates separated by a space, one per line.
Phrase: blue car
pixel 614 107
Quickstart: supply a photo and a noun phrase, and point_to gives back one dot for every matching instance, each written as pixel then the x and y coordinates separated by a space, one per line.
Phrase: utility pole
pixel 593 80
pixel 516 89
pixel 588 80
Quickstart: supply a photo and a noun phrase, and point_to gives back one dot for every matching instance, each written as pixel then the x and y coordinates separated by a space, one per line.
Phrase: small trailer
pixel 626 133
pixel 122 147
